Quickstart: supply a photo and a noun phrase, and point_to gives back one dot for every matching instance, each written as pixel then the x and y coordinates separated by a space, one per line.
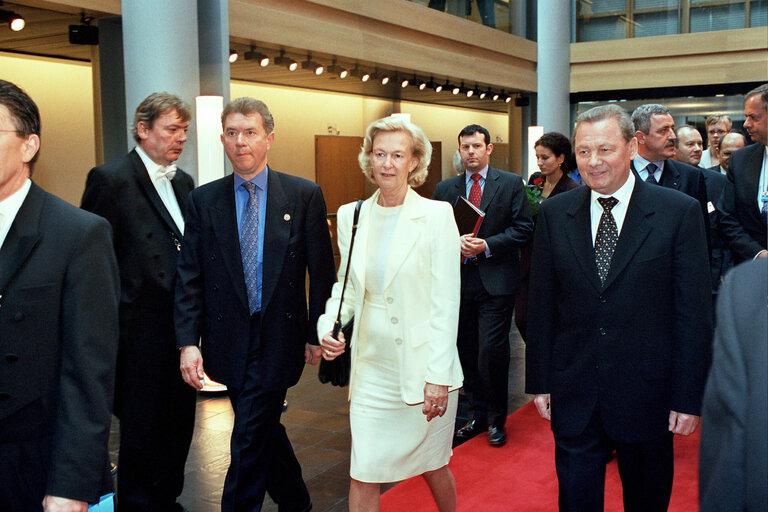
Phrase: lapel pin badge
pixel 287 217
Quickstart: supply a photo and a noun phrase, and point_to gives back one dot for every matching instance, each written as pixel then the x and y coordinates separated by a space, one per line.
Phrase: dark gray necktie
pixel 651 168
pixel 607 235
pixel 249 246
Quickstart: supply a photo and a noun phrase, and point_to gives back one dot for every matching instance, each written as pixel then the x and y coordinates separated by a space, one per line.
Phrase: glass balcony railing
pixel 497 14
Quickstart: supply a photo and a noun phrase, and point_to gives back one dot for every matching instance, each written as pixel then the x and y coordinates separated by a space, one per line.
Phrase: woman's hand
pixel 332 348
pixel 435 400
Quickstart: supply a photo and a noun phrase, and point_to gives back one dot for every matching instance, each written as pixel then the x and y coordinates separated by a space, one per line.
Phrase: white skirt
pixel 391 441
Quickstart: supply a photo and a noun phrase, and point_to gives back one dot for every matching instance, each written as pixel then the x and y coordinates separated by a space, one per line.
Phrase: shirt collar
pixel 149 164
pixel 9 207
pixel 483 172
pixel 622 194
pixel 641 163
pixel 260 180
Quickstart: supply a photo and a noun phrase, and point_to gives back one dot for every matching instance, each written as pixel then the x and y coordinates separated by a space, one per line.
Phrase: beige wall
pixel 63 92
pixel 301 114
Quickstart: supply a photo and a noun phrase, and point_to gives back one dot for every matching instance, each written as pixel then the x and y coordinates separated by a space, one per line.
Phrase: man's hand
pixel 58 504
pixel 192 366
pixel 471 246
pixel 542 405
pixel 682 424
pixel 312 354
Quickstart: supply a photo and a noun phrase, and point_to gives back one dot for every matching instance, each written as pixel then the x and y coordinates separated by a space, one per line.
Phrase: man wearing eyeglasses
pixel 251 239
pixel 143 196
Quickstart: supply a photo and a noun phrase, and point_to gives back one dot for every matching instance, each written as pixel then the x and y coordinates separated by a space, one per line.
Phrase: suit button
pixel 603 332
pixel 603 300
pixel 213 257
pixel 288 316
pixel 161 273
pixel 292 254
pixel 291 284
pixel 4 395
pixel 215 287
pixel 394 320
pixel 399 341
pixel 11 358
pixel 218 317
pixel 18 316
pixel 149 235
pixel 390 300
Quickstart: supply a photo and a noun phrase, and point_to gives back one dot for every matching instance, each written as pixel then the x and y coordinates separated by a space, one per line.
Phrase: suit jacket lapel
pixel 753 165
pixel 148 188
pixel 490 188
pixel 634 231
pixel 403 238
pixel 670 177
pixel 224 222
pixel 277 232
pixel 181 196
pixel 22 237
pixel 579 234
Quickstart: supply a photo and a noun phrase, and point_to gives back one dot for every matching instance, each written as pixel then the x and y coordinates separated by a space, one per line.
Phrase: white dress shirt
pixel 9 207
pixel 619 211
pixel 163 187
pixel 641 164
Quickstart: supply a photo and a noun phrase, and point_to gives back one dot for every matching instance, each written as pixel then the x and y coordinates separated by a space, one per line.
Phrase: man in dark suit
pixel 655 133
pixel 619 357
pixel 251 238
pixel 490 279
pixel 733 466
pixel 746 196
pixel 143 196
pixel 58 331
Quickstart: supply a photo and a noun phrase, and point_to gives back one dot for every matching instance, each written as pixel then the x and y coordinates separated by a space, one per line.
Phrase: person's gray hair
pixel 154 106
pixel 762 90
pixel 420 147
pixel 248 106
pixel 641 117
pixel 603 112
pixel 458 165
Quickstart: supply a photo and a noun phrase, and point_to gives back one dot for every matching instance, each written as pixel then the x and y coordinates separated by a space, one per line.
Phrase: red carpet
pixel 524 474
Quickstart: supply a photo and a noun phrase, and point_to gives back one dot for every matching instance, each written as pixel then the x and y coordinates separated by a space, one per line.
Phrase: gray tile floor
pixel 318 425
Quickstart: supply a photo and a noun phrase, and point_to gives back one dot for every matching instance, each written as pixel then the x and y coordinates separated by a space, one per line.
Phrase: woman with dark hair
pixel 555 159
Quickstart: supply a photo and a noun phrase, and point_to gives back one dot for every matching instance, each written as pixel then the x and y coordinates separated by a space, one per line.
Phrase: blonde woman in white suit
pixel 403 290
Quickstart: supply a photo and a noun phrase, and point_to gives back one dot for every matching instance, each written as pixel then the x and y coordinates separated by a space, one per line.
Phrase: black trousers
pixel 646 470
pixel 262 458
pixel 157 419
pixel 484 323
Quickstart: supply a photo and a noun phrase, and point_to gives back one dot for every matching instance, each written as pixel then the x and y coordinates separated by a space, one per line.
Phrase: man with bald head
pixel 688 145
pixel 729 144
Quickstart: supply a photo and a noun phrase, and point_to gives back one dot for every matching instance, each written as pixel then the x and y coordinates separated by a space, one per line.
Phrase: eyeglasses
pixel 716 132
pixel 11 131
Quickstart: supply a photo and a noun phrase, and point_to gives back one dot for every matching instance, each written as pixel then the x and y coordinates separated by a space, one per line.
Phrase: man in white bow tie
pixel 143 196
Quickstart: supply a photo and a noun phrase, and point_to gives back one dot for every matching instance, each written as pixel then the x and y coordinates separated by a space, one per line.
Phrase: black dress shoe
pixel 471 429
pixel 497 436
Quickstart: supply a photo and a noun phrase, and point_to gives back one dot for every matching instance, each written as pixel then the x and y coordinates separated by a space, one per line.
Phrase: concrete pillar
pixel 109 92
pixel 213 32
pixel 160 52
pixel 553 68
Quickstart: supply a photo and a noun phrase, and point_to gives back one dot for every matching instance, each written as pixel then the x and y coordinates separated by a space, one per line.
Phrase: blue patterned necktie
pixel 249 246
pixel 607 235
pixel 651 168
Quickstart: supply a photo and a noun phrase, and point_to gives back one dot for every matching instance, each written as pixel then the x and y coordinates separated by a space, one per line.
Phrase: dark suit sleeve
pixel 542 297
pixel 741 243
pixel 320 264
pixel 188 304
pixel 701 196
pixel 693 314
pixel 520 229
pixel 89 334
pixel 101 198
pixel 721 469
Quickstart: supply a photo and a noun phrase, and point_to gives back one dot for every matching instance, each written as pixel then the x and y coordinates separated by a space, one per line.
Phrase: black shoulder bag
pixel 337 371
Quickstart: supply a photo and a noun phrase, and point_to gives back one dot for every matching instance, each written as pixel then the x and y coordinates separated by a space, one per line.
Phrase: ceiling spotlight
pixel 404 83
pixel 455 90
pixel 495 96
pixel 364 76
pixel 254 55
pixel 282 60
pixel 420 84
pixel 232 56
pixel 507 98
pixel 312 66
pixel 338 70
pixel 383 76
pixel 15 21
pixel 482 94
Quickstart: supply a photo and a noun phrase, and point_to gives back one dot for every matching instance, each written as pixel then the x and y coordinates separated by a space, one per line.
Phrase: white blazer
pixel 422 289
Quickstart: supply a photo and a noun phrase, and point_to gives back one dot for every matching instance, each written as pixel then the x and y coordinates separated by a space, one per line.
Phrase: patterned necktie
pixel 607 235
pixel 475 193
pixel 249 246
pixel 651 168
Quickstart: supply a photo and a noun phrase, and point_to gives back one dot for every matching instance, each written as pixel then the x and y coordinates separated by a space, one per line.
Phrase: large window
pixel 600 20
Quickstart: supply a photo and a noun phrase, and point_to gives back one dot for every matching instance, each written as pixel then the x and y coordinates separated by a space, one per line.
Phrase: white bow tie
pixel 166 172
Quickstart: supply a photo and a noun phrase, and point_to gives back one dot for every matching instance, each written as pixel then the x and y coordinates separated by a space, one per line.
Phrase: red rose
pixel 538 182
